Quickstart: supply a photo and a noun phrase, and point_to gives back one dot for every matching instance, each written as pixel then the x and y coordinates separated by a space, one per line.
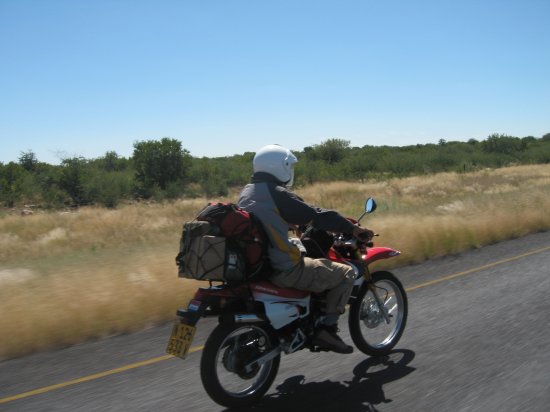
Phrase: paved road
pixel 476 340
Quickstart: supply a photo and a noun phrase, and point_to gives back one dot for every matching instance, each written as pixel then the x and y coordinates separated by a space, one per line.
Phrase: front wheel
pixel 224 372
pixel 378 315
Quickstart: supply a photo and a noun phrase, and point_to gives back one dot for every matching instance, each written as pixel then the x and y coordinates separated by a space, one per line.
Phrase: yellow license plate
pixel 180 340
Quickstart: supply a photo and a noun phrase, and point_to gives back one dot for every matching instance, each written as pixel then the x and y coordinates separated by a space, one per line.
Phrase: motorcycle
pixel 259 321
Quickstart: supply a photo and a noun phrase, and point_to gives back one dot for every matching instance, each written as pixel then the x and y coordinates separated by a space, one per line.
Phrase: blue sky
pixel 80 78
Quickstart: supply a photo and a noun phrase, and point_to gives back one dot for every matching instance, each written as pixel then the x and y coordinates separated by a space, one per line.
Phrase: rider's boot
pixel 327 338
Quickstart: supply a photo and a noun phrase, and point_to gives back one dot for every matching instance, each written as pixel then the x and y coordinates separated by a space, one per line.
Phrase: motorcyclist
pixel 268 197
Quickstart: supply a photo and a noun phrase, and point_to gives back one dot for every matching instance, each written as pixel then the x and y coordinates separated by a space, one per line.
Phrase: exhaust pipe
pixel 246 318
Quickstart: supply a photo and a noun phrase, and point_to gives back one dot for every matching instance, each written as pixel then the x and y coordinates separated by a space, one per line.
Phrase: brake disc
pixel 371 315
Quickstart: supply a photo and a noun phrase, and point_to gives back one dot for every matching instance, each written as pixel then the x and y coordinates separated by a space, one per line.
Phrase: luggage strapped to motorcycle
pixel 224 243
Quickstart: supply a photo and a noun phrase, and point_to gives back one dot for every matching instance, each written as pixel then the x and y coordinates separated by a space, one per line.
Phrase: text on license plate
pixel 180 340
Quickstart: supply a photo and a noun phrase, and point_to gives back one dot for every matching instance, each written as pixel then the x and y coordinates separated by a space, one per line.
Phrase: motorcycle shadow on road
pixel 360 394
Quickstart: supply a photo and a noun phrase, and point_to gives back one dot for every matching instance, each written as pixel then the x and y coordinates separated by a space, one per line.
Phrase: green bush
pixel 163 169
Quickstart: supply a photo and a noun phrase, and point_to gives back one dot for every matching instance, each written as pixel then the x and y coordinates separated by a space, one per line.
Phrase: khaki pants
pixel 318 275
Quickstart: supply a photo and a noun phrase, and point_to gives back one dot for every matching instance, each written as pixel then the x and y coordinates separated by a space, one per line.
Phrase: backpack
pixel 223 243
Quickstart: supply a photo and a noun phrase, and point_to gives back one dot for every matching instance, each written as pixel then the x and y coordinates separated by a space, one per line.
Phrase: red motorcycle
pixel 259 321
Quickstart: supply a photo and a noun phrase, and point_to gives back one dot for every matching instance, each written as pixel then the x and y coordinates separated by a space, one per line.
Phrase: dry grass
pixel 91 229
pixel 93 300
pixel 429 216
pixel 69 277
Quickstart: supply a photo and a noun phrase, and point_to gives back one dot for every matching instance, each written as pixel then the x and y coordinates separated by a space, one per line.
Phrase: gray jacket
pixel 277 207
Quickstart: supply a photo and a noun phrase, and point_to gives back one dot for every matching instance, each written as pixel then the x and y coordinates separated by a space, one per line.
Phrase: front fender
pixel 376 253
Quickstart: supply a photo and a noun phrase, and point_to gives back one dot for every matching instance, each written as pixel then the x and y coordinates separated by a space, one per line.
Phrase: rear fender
pixel 213 301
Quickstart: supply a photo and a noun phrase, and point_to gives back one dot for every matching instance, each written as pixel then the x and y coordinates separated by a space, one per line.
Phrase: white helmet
pixel 277 161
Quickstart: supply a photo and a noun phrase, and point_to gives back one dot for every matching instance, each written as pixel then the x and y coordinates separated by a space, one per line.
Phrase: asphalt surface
pixel 477 339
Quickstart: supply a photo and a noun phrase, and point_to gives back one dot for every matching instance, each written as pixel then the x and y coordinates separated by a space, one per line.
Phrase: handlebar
pixel 352 241
pixel 363 237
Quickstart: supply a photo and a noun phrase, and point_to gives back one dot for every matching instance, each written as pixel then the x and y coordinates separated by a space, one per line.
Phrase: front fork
pixel 379 302
pixel 367 277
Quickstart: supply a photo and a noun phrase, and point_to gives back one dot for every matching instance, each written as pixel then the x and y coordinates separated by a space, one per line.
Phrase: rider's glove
pixel 362 233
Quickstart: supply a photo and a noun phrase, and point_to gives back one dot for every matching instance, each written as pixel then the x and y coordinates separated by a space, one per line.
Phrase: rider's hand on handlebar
pixel 362 233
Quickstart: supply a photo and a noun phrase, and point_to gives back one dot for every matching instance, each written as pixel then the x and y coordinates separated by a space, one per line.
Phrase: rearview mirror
pixel 370 205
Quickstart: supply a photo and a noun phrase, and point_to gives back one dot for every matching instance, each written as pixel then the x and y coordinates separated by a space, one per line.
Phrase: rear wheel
pixel 378 315
pixel 226 355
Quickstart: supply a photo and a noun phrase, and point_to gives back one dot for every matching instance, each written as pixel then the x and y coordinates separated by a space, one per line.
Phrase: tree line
pixel 164 169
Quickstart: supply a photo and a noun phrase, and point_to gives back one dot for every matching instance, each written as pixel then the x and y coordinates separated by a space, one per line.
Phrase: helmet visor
pixel 291 180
